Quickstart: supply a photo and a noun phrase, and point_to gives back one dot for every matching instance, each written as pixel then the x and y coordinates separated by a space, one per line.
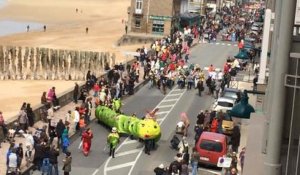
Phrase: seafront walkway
pixel 59 114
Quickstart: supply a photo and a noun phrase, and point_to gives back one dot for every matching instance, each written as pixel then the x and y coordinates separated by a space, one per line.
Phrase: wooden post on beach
pixel 2 69
pixel 113 59
pixel 31 64
pixel 102 61
pixel 6 63
pixel 13 62
pixel 19 64
pixel 38 64
pixel 25 63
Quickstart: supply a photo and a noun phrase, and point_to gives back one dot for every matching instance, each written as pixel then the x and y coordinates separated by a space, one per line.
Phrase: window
pixel 225 104
pixel 158 26
pixel 210 145
pixel 139 4
pixel 138 21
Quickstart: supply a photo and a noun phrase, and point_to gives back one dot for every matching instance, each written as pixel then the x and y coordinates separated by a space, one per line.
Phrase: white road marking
pixel 159 119
pixel 177 89
pixel 129 141
pixel 120 166
pixel 217 43
pixel 173 95
pixel 127 152
pixel 165 106
pixel 228 44
pixel 95 172
pixel 162 112
pixel 235 45
pixel 210 171
pixel 174 99
pixel 160 124
pixel 223 44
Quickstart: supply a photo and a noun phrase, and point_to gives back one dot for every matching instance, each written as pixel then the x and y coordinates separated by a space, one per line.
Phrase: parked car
pixel 231 93
pixel 211 146
pixel 224 104
pixel 227 124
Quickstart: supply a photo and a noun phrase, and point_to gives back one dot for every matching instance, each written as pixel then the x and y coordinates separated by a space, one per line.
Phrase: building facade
pixel 154 16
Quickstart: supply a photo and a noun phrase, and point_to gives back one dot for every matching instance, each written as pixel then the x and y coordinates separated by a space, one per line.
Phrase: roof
pixel 226 99
pixel 231 90
pixel 212 136
pixel 188 15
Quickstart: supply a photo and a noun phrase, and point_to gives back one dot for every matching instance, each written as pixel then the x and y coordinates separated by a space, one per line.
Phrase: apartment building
pixel 158 17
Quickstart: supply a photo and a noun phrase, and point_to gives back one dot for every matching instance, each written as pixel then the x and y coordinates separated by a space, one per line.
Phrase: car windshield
pixel 225 104
pixel 230 94
pixel 211 145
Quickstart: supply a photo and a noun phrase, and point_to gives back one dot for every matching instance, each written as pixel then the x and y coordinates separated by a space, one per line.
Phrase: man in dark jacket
pixel 54 153
pixel 60 127
pixel 235 138
pixel 75 93
pixel 160 170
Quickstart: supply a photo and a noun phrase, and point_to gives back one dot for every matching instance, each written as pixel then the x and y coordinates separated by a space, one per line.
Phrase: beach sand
pixel 66 30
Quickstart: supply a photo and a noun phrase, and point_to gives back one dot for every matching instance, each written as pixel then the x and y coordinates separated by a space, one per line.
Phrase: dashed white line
pixel 127 152
pixel 228 44
pixel 120 166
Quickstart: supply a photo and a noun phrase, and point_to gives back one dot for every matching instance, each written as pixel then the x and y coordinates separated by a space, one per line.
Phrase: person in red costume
pixel 87 141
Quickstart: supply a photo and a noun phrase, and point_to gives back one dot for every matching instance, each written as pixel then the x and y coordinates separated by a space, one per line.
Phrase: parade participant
pixel 113 140
pixel 151 114
pixel 195 159
pixel 184 118
pixel 65 140
pixel 160 170
pixel 87 141
pixel 67 161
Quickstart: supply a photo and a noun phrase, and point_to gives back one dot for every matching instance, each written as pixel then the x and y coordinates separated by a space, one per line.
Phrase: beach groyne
pixel 29 63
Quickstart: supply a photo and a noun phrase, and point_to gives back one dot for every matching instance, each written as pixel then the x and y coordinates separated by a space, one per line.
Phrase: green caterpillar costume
pixel 143 129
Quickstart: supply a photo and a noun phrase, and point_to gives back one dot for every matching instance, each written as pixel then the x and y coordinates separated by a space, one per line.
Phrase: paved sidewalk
pixel 60 114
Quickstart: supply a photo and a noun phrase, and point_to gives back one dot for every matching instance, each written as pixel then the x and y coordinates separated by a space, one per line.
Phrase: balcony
pixel 138 11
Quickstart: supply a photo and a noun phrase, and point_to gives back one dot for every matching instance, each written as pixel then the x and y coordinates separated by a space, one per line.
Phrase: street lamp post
pixel 277 109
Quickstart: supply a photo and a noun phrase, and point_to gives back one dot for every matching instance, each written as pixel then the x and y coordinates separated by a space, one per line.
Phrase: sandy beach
pixel 66 29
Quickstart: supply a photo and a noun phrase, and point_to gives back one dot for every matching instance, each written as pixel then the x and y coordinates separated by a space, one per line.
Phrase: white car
pixel 224 104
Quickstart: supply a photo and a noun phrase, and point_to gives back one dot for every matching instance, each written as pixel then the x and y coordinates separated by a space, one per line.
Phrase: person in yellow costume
pixel 113 140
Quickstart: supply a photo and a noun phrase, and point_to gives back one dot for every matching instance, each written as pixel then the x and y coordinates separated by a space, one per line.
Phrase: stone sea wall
pixel 18 63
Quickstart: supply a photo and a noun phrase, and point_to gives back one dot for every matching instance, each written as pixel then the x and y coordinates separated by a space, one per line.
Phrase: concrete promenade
pixel 60 114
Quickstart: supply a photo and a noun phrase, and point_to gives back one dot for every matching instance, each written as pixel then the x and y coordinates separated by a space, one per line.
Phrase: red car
pixel 211 146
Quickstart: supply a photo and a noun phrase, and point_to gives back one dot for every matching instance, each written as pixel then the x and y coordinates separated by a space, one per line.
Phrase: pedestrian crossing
pixel 129 151
pixel 220 43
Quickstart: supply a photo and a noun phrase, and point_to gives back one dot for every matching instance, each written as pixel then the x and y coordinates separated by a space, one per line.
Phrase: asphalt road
pixel 130 158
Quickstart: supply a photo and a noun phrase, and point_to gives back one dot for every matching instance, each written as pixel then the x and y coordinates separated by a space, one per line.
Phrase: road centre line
pixel 127 152
pixel 120 166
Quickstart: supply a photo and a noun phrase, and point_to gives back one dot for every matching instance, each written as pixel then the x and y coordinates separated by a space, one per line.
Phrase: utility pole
pixel 277 109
